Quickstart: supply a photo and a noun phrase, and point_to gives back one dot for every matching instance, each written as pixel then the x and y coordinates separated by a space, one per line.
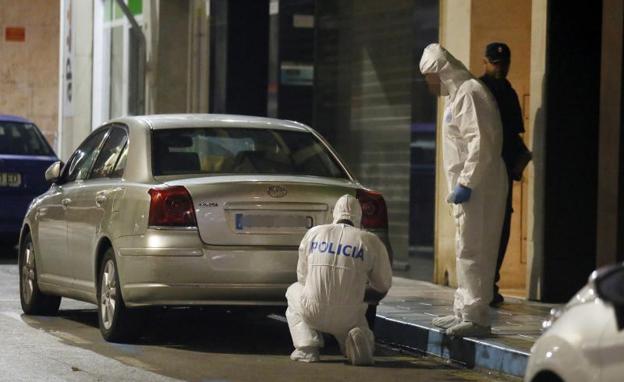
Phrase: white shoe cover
pixel 446 322
pixel 469 329
pixel 307 354
pixel 359 347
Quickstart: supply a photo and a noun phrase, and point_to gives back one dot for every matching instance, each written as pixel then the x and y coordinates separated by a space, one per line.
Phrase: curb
pixel 471 352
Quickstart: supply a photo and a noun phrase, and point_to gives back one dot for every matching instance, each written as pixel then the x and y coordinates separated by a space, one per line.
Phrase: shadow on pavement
pixel 217 331
pixel 209 330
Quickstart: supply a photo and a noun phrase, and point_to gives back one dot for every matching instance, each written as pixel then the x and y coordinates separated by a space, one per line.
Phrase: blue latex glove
pixel 460 194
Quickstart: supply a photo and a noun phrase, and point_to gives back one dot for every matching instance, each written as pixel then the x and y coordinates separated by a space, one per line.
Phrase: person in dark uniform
pixel 497 61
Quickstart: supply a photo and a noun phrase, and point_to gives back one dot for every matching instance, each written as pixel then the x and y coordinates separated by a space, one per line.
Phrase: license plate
pixel 243 221
pixel 10 179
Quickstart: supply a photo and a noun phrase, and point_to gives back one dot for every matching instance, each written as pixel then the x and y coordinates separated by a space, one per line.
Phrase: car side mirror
pixel 610 288
pixel 53 172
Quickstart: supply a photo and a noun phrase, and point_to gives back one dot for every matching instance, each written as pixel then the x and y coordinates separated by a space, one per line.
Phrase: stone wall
pixel 29 68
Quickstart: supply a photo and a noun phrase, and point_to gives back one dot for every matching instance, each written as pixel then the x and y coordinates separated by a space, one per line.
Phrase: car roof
pixel 174 121
pixel 13 118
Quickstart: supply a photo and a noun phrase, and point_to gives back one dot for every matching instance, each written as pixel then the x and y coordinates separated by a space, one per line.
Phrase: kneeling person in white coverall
pixel 477 181
pixel 335 263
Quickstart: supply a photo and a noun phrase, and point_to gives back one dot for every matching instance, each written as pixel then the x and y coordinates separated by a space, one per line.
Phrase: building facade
pixel 349 68
pixel 29 62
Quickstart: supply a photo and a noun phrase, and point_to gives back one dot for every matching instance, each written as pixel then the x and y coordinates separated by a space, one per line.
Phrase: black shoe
pixel 497 300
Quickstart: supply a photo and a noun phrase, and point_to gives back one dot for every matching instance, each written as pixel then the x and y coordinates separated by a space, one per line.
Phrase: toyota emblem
pixel 277 191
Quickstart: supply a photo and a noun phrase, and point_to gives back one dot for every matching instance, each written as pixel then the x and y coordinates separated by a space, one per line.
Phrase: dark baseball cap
pixel 497 52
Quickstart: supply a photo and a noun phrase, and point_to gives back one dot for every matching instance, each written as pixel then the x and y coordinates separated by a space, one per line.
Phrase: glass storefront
pixel 372 104
pixel 349 68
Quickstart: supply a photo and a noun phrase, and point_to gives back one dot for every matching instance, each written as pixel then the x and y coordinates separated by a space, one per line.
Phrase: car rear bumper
pixel 166 267
pixel 199 294
pixel 176 268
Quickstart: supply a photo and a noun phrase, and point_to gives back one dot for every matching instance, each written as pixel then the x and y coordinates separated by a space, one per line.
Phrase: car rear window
pixel 241 151
pixel 18 138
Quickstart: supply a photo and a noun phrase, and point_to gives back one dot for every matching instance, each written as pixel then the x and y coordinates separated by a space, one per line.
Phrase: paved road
pixel 180 344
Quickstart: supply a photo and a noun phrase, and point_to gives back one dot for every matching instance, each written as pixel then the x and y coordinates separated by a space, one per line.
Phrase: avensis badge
pixel 277 191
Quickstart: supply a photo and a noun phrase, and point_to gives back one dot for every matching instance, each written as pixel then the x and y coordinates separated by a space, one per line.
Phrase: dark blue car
pixel 24 157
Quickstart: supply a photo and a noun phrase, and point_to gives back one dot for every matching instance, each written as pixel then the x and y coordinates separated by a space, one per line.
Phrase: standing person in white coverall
pixel 477 182
pixel 336 261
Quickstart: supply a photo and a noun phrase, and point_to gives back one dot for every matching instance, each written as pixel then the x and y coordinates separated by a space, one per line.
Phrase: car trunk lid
pixel 262 210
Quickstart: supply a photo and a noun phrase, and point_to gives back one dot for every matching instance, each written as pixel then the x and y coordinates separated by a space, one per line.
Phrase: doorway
pixel 508 22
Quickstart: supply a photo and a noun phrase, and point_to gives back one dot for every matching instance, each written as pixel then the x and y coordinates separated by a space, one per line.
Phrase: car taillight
pixel 374 212
pixel 171 207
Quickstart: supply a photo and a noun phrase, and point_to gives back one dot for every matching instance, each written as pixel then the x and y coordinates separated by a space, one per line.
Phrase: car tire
pixel 371 314
pixel 33 300
pixel 117 322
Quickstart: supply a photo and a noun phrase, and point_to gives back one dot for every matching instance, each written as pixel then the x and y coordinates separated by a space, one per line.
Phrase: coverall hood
pixel 337 263
pixel 348 208
pixel 452 72
pixel 472 136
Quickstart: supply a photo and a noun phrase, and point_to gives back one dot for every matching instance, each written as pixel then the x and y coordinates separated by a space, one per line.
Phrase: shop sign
pixel 68 59
pixel 15 34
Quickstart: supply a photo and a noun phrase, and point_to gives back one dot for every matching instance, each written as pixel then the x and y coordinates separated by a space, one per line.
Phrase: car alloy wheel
pixel 117 323
pixel 28 273
pixel 33 301
pixel 108 297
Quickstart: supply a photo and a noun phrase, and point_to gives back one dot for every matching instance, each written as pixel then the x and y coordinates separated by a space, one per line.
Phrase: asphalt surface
pixel 182 344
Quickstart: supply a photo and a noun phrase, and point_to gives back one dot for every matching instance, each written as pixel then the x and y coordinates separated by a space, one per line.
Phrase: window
pixel 109 154
pixel 121 163
pixel 115 60
pixel 241 151
pixel 78 166
pixel 17 138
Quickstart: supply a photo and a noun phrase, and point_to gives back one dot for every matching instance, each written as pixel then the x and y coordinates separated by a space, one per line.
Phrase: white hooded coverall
pixel 472 136
pixel 335 263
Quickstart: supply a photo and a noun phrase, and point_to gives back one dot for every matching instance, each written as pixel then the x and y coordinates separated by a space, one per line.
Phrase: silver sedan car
pixel 181 210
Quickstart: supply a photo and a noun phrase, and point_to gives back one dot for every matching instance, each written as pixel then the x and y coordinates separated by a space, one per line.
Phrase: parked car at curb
pixel 584 341
pixel 181 210
pixel 24 156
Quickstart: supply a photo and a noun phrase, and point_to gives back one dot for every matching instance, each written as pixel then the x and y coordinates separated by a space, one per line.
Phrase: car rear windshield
pixel 241 151
pixel 17 138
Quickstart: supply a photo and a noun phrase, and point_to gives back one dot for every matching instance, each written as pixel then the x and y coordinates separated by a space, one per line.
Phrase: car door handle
pixel 65 202
pixel 100 199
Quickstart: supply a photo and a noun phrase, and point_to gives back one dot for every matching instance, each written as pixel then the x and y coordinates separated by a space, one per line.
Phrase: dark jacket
pixel 511 115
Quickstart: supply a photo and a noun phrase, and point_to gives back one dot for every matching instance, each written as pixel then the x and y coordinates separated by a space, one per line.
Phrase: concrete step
pixel 404 320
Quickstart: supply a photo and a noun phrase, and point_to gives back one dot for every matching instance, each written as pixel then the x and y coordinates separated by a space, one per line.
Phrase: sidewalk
pixel 404 319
